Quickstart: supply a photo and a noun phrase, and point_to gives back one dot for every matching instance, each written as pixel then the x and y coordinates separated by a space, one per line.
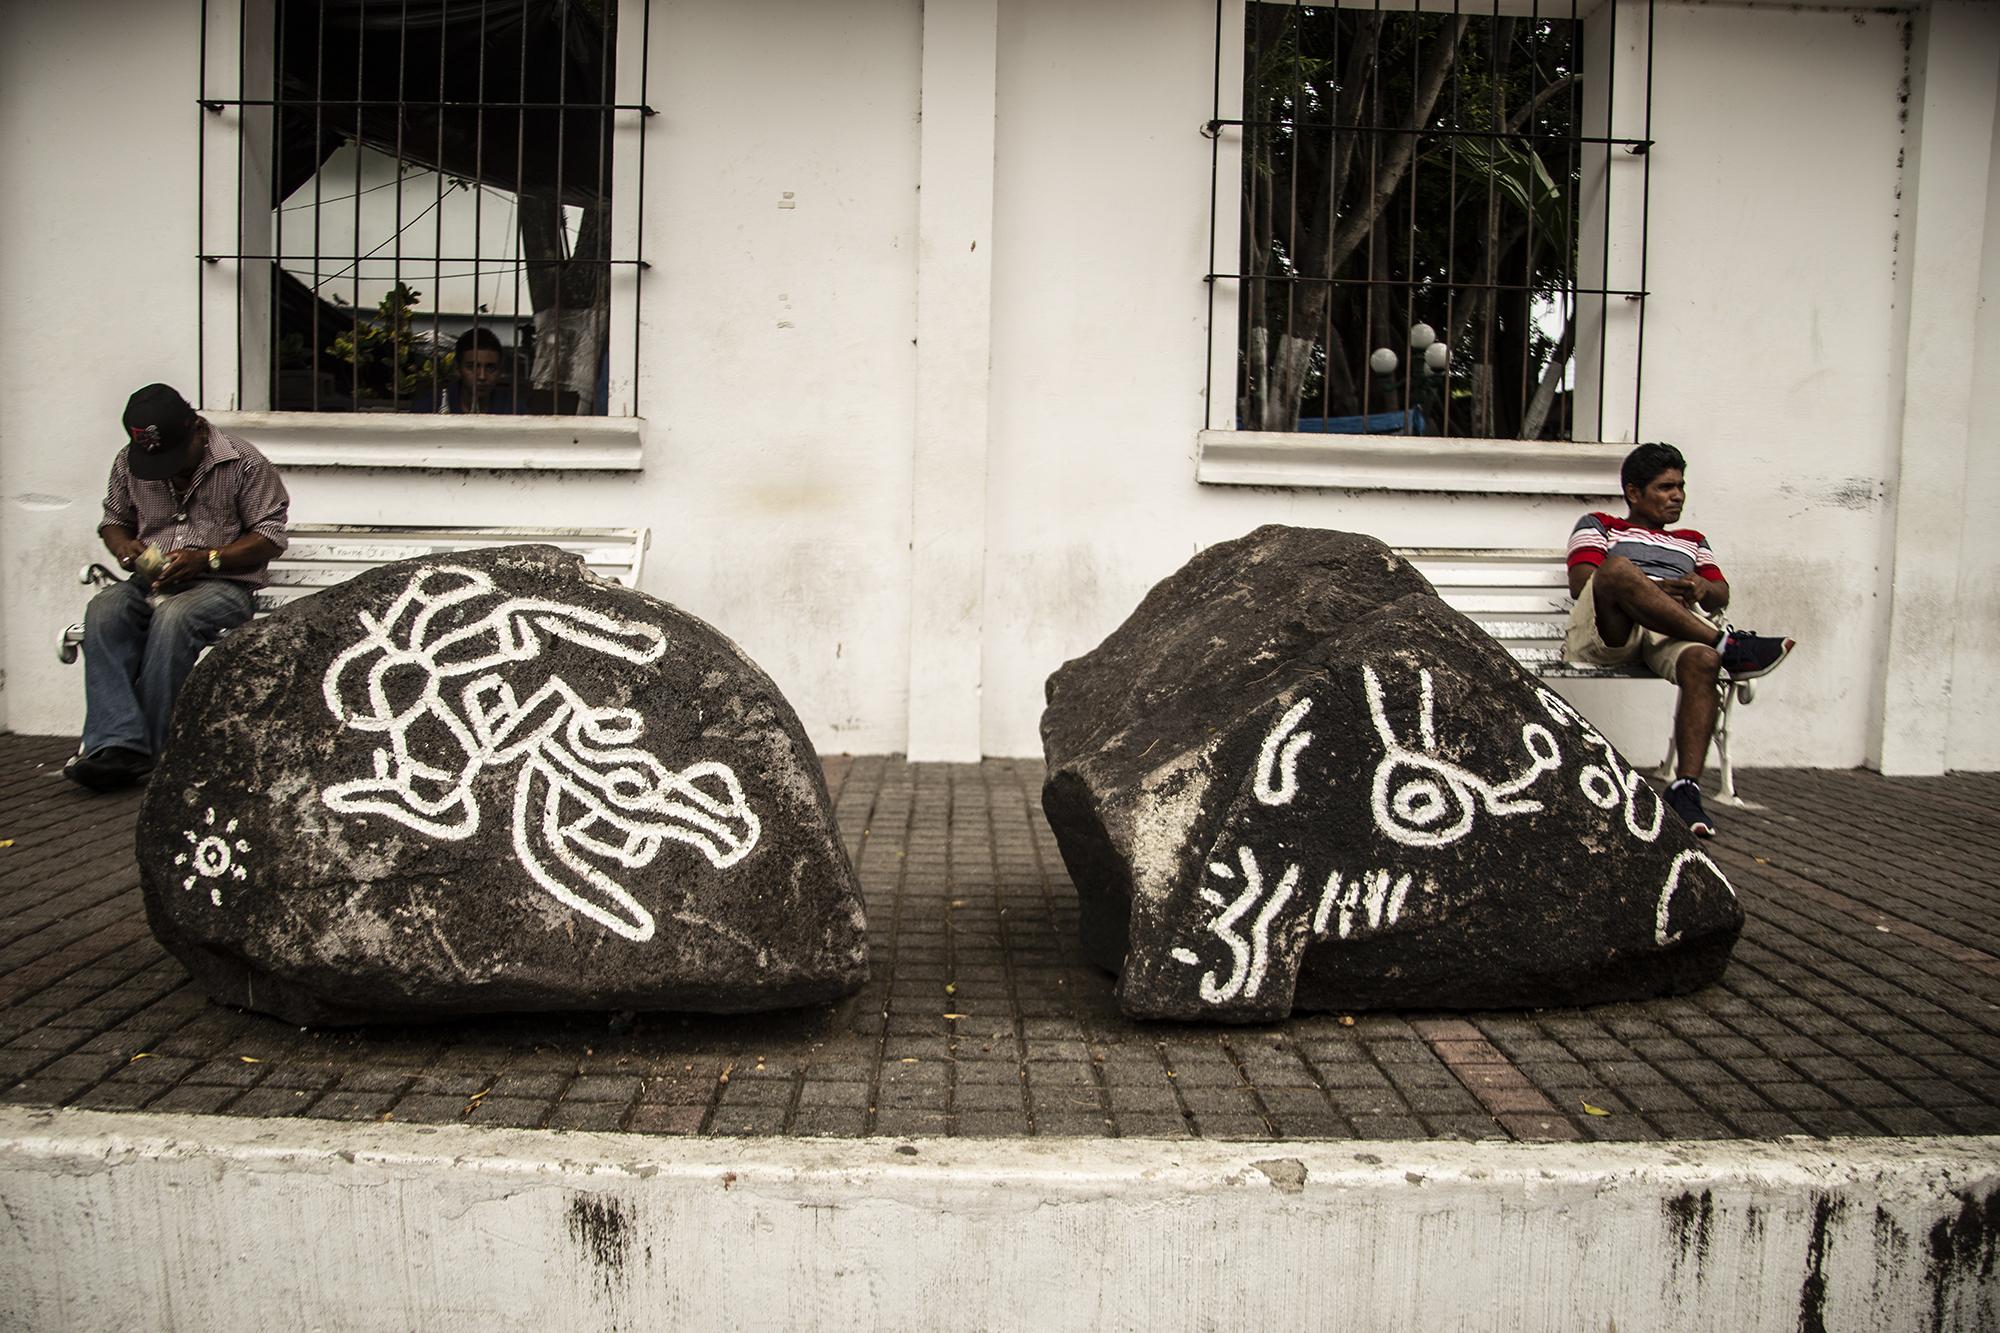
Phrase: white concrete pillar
pixel 239 65
pixel 1954 83
pixel 1617 37
pixel 954 358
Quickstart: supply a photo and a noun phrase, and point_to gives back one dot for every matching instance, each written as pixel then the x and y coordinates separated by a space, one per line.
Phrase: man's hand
pixel 1685 591
pixel 126 550
pixel 181 567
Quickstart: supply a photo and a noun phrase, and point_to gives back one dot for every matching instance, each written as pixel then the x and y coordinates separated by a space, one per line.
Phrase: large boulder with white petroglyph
pixel 1295 778
pixel 491 782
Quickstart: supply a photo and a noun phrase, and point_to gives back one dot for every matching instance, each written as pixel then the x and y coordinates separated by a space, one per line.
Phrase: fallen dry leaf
pixel 1588 1109
pixel 250 1060
pixel 143 1055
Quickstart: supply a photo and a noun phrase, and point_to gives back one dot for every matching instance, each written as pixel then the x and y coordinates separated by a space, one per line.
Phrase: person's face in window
pixel 479 369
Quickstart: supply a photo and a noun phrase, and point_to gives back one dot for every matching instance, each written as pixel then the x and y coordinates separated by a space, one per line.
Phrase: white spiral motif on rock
pixel 1421 800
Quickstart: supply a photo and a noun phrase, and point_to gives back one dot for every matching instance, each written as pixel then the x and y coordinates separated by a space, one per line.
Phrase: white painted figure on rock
pixel 1420 801
pixel 431 677
pixel 1295 778
pixel 1647 591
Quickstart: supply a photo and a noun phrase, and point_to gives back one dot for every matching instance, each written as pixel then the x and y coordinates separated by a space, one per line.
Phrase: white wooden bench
pixel 1521 598
pixel 321 555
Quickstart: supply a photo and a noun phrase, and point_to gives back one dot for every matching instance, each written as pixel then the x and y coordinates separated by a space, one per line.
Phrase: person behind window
pixel 476 384
pixel 198 514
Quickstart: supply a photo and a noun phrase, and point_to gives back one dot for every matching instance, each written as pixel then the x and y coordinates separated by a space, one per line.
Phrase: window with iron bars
pixel 422 215
pixel 1426 234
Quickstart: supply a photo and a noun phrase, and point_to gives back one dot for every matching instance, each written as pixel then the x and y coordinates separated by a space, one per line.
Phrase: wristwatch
pixel 215 560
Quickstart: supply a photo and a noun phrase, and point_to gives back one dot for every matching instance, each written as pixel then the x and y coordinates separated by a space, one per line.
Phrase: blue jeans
pixel 137 653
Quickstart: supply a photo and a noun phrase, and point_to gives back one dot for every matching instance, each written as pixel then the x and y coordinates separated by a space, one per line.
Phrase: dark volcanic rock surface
pixel 492 782
pixel 1295 777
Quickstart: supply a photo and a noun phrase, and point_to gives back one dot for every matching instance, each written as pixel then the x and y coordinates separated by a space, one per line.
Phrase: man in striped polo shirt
pixel 198 514
pixel 1648 591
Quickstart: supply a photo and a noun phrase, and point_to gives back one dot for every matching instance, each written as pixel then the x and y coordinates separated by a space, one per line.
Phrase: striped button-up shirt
pixel 235 491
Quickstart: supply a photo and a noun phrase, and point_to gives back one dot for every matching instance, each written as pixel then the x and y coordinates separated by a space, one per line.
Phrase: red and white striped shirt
pixel 235 490
pixel 1661 554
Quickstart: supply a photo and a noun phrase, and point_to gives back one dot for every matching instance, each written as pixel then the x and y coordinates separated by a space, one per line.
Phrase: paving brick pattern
pixel 1864 999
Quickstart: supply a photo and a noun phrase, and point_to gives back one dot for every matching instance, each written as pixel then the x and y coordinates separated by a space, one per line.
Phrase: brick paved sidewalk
pixel 1864 999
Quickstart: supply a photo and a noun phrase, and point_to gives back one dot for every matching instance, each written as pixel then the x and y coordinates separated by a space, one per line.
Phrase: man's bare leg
pixel 1626 597
pixel 1697 672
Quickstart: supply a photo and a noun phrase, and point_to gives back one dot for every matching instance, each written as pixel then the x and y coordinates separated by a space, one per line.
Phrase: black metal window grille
pixel 1419 199
pixel 390 119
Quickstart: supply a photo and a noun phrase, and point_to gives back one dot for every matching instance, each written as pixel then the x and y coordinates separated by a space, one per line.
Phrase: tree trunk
pixel 1401 148
pixel 1284 367
pixel 1479 311
pixel 1537 414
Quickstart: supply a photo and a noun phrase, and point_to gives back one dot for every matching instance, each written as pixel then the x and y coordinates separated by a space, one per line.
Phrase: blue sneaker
pixel 1684 796
pixel 1747 655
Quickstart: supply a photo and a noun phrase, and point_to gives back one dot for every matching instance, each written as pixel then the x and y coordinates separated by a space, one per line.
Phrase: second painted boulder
pixel 1295 778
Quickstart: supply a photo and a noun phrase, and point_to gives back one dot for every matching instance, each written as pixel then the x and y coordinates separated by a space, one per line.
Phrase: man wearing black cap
pixel 199 514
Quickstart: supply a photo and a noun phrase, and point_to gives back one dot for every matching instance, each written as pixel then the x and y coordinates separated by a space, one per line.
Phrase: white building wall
pixel 1974 737
pixel 97 296
pixel 779 371
pixel 1768 347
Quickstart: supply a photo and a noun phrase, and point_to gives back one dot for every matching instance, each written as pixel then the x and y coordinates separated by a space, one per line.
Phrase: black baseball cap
pixel 159 423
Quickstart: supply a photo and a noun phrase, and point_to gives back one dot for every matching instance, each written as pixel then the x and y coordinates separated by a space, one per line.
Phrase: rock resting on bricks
pixel 1296 778
pixel 491 782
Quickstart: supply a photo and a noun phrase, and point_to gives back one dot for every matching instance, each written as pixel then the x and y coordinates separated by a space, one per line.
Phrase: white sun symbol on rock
pixel 212 855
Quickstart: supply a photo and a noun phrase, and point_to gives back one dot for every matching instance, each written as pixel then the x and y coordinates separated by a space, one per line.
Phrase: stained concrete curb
pixel 165 1221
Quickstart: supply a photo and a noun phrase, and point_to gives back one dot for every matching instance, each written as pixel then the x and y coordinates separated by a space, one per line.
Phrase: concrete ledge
pixel 219 1223
pixel 1408 463
pixel 389 439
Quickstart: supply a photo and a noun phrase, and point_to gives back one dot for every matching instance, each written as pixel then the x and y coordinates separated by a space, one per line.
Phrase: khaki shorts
pixel 1584 645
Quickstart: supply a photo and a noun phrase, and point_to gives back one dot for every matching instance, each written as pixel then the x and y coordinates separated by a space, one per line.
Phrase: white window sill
pixel 1408 463
pixel 389 439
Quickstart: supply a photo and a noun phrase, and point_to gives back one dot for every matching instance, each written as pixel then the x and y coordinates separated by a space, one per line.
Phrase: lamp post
pixel 1383 362
pixel 1427 381
pixel 1429 388
pixel 1430 361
